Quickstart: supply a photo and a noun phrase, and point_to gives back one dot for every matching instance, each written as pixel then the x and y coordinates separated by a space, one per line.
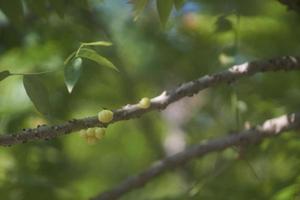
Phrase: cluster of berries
pixel 92 135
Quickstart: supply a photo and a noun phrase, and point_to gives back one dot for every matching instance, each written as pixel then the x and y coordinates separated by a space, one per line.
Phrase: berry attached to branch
pixel 92 135
pixel 82 133
pixel 90 132
pixel 105 116
pixel 144 103
pixel 99 133
pixel 91 140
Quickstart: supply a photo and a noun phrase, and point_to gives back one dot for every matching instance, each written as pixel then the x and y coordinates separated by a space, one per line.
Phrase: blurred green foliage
pixel 201 37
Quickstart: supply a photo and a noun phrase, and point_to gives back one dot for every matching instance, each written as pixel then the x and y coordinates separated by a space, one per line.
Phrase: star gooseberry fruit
pixel 105 116
pixel 99 133
pixel 144 103
pixel 91 140
pixel 82 133
pixel 92 134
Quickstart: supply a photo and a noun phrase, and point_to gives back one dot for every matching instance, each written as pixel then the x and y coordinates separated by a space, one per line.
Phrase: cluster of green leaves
pixel 73 63
pixel 37 91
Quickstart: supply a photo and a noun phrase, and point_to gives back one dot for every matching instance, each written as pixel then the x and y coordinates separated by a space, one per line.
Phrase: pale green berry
pixel 105 116
pixel 91 140
pixel 99 133
pixel 90 132
pixel 144 103
pixel 82 133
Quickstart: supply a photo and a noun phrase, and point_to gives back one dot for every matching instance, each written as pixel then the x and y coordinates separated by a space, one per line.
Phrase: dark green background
pixel 150 59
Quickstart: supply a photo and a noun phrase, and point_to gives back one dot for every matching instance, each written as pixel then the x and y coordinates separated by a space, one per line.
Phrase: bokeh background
pixel 202 37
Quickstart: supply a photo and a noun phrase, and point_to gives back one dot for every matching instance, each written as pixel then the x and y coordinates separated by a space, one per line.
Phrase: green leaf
pixel 94 56
pixel 38 93
pixel 72 73
pixel 13 10
pixel 164 8
pixel 70 57
pixel 178 3
pixel 98 43
pixel 4 75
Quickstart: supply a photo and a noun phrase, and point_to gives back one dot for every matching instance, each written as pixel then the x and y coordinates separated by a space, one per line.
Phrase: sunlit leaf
pixel 98 43
pixel 94 56
pixel 226 60
pixel 38 93
pixel 72 73
pixel 4 75
pixel 164 8
pixel 178 3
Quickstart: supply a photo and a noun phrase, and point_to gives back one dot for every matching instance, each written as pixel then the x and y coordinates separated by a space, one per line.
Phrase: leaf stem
pixel 34 73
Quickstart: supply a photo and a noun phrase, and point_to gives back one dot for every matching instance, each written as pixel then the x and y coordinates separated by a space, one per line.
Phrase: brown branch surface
pixel 269 128
pixel 160 102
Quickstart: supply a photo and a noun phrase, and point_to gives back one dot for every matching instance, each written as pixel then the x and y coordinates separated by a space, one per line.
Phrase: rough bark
pixel 286 63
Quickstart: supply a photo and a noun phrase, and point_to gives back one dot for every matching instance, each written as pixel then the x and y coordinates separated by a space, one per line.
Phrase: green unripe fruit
pixel 91 140
pixel 99 133
pixel 82 133
pixel 90 132
pixel 144 103
pixel 92 135
pixel 105 116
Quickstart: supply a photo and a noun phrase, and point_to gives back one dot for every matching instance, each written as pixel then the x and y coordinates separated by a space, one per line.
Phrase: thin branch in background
pixel 188 89
pixel 200 184
pixel 269 128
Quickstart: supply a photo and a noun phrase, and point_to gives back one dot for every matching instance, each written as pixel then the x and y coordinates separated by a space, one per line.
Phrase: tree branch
pixel 269 128
pixel 160 102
